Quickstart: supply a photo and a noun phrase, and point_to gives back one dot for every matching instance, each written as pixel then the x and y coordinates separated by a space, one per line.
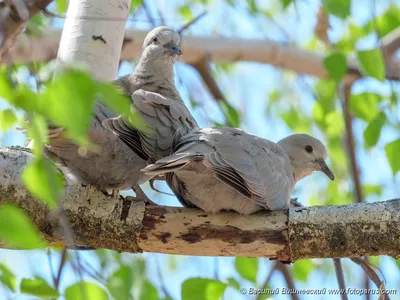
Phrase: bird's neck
pixel 299 172
pixel 156 76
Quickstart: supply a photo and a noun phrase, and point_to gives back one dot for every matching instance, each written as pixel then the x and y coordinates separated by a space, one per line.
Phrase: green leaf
pixel 296 120
pixel 231 114
pixel 37 131
pixel 202 289
pixel 185 12
pixel 286 3
pixel 232 282
pixel 392 154
pixel 44 181
pixel 17 231
pixel 62 6
pixel 135 4
pixel 252 6
pixel 334 124
pixel 373 130
pixel 339 8
pixel 336 65
pixel 69 102
pixel 365 105
pixel 247 268
pixel 120 283
pixel 301 269
pixel 386 23
pixel 85 291
pixel 121 105
pixel 6 89
pixel 38 287
pixel 7 119
pixel 372 189
pixel 148 291
pixel 372 63
pixel 326 92
pixel 8 278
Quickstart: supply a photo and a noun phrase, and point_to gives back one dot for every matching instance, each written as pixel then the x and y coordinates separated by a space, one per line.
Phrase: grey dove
pixel 150 85
pixel 229 169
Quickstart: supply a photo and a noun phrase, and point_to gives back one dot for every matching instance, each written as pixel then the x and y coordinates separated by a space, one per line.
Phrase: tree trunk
pixel 93 34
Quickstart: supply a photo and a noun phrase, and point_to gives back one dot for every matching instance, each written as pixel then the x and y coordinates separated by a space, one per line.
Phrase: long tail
pixel 171 163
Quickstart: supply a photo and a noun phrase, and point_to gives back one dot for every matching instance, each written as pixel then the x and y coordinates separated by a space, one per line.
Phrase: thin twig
pixel 161 280
pixel 203 67
pixel 288 278
pixel 216 268
pixel 53 275
pixel 340 277
pixel 372 275
pixel 186 26
pixel 350 141
pixel 61 267
pixel 267 279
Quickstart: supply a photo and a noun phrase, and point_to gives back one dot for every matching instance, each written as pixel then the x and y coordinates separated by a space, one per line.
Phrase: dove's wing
pixel 255 167
pixel 163 116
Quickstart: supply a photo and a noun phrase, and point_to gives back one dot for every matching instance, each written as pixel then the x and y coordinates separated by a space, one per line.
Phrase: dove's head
pixel 307 154
pixel 162 44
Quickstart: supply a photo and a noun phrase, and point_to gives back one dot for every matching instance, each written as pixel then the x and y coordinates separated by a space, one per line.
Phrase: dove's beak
pixel 324 168
pixel 173 49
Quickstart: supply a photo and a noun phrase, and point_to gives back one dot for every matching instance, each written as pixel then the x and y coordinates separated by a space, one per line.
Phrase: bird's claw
pixel 295 203
pixel 151 182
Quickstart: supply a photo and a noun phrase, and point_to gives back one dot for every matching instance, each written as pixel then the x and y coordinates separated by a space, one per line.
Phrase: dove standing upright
pixel 115 166
pixel 229 169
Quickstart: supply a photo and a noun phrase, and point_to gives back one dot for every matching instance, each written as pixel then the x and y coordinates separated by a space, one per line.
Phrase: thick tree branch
pixel 13 17
pixel 203 67
pixel 195 48
pixel 100 221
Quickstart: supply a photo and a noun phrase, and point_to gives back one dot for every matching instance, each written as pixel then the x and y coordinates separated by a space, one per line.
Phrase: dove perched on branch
pixel 229 169
pixel 116 166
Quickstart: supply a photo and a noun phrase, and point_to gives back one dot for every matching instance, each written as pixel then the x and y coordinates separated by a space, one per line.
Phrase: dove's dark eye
pixel 155 40
pixel 309 148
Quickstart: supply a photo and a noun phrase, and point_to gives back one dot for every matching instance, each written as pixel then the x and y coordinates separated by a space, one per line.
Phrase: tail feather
pixel 171 163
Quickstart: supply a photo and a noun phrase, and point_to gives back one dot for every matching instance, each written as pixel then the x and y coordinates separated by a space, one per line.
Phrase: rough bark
pixel 195 48
pixel 110 222
pixel 13 18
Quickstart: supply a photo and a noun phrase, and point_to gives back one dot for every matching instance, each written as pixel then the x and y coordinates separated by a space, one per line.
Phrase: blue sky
pixel 247 87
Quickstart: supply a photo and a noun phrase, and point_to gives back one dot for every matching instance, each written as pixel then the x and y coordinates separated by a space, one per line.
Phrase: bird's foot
pixel 151 182
pixel 295 203
pixel 141 196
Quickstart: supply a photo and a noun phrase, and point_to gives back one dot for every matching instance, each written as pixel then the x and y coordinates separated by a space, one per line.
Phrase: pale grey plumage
pixel 116 166
pixel 229 169
pixel 163 116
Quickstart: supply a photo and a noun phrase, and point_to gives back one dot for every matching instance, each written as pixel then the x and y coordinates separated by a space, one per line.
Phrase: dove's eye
pixel 155 40
pixel 309 148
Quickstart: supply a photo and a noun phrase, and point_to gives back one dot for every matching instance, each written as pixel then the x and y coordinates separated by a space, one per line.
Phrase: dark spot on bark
pixel 207 222
pixel 186 224
pixel 231 234
pixel 143 236
pixel 203 216
pixel 191 237
pixel 99 37
pixel 126 205
pixel 164 236
pixel 158 211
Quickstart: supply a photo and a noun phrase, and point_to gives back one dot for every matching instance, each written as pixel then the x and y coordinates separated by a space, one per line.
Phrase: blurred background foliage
pixel 264 100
